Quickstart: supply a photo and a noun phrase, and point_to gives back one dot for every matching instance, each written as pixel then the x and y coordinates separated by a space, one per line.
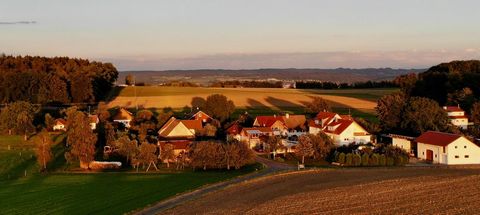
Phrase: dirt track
pixel 360 191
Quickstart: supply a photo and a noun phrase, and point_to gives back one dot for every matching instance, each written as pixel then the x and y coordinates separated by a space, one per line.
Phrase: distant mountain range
pixel 206 76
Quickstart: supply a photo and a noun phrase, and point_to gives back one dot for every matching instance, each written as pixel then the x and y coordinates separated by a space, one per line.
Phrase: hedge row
pixel 375 159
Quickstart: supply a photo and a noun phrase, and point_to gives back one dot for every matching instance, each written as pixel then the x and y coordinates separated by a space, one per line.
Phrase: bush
pixel 398 161
pixel 374 160
pixel 341 158
pixel 349 159
pixel 382 160
pixel 365 159
pixel 357 160
pixel 390 161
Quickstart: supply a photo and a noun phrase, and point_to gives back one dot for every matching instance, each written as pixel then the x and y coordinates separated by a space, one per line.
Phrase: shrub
pixel 398 160
pixel 374 160
pixel 341 158
pixel 365 159
pixel 390 161
pixel 406 160
pixel 382 160
pixel 349 159
pixel 357 160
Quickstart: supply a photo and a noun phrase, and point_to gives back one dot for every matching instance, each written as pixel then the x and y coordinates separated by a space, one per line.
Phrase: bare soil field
pixel 178 97
pixel 406 190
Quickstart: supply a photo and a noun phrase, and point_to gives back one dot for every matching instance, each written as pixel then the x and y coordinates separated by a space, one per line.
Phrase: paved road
pixel 271 167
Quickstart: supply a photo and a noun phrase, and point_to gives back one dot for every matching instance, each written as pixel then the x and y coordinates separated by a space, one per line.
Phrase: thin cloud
pixel 18 23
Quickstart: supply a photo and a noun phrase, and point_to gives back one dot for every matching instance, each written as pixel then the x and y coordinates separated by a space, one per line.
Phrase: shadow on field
pixel 342 108
pixel 280 103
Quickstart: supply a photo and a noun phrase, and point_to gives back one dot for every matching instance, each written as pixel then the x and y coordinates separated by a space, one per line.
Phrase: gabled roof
pixel 192 124
pixel 257 130
pixel 437 138
pixel 338 126
pixel 267 121
pixel 172 123
pixel 234 128
pixel 60 121
pixel 200 114
pixel 93 118
pixel 325 118
pixel 123 114
pixel 452 108
pixel 325 115
pixel 294 121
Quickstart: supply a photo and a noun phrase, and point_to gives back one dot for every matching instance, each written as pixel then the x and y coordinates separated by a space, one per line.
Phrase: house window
pixel 423 153
pixel 464 147
pixel 456 156
pixel 466 156
pixel 455 146
pixel 435 155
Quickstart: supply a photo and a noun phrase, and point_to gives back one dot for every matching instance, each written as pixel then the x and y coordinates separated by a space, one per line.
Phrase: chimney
pixel 316 122
pixel 287 115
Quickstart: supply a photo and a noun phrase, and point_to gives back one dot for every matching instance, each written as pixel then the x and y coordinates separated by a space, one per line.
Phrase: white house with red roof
pixel 202 116
pixel 446 148
pixel 60 125
pixel 93 120
pixel 457 116
pixel 283 125
pixel 342 129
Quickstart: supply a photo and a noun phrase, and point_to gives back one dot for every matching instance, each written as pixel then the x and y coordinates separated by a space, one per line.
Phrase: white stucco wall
pixel 463 147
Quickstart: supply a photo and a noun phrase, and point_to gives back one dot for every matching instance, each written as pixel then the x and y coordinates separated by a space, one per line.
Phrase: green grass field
pixel 59 192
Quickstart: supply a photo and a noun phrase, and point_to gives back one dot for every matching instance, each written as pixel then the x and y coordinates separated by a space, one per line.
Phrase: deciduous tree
pixel 80 137
pixel 304 148
pixel 219 106
pixel 43 144
pixel 318 104
pixel 167 154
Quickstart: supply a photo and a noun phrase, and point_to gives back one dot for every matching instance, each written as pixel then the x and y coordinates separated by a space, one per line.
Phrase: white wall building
pixel 457 116
pixel 445 148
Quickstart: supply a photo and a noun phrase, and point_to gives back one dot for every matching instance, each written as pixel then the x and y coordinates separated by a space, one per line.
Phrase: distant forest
pixel 54 80
pixel 356 85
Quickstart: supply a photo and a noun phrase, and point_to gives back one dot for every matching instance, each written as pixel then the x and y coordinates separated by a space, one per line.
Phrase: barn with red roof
pixel 446 148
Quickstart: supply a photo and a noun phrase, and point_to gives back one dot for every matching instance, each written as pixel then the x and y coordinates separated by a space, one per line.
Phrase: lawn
pixel 61 192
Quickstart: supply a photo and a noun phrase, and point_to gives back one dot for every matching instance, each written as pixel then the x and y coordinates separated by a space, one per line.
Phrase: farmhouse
pixel 342 129
pixel 404 142
pixel 93 121
pixel 180 129
pixel 253 136
pixel 60 125
pixel 445 148
pixel 123 116
pixel 283 125
pixel 233 131
pixel 457 116
pixel 202 116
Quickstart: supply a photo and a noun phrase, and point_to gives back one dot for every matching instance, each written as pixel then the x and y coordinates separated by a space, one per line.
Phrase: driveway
pixel 271 167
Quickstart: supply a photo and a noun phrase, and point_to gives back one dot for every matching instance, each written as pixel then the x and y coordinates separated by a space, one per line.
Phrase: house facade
pixel 457 116
pixel 342 129
pixel 404 142
pixel 201 116
pixel 123 116
pixel 445 148
pixel 60 125
pixel 255 136
pixel 93 119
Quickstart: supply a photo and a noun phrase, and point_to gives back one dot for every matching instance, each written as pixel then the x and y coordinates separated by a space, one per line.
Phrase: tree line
pixel 333 85
pixel 54 80
pixel 247 84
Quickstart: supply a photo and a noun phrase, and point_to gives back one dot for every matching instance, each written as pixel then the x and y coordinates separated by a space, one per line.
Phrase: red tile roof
pixel 267 121
pixel 192 124
pixel 458 117
pixel 234 129
pixel 93 118
pixel 60 122
pixel 437 138
pixel 341 124
pixel 452 108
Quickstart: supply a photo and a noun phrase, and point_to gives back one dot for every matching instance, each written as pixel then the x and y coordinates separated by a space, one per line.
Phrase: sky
pixel 244 34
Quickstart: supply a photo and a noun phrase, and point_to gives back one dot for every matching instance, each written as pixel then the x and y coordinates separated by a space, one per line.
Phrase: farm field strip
pixel 178 97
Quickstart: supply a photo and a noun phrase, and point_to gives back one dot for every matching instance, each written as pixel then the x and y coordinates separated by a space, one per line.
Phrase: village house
pixel 123 116
pixel 60 125
pixel 202 116
pixel 341 128
pixel 255 136
pixel 404 142
pixel 233 131
pixel 286 125
pixel 93 121
pixel 180 129
pixel 457 116
pixel 445 148
pixel 179 146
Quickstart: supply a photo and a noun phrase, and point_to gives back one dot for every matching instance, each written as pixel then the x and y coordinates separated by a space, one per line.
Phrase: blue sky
pixel 181 34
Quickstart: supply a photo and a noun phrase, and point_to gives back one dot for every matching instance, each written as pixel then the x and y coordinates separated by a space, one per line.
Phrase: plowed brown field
pixel 349 191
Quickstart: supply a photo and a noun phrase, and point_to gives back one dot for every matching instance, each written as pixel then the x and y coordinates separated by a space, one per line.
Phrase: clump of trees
pixel 213 155
pixel 318 104
pixel 17 118
pixel 334 85
pixel 54 80
pixel 217 106
pixel 411 115
pixel 313 146
pixel 80 138
pixel 249 84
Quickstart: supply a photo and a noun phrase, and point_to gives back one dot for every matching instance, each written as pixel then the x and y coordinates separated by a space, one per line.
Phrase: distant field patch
pixel 270 98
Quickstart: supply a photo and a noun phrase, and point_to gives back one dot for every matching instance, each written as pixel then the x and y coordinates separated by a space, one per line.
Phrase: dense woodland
pixel 54 80
pixel 334 85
